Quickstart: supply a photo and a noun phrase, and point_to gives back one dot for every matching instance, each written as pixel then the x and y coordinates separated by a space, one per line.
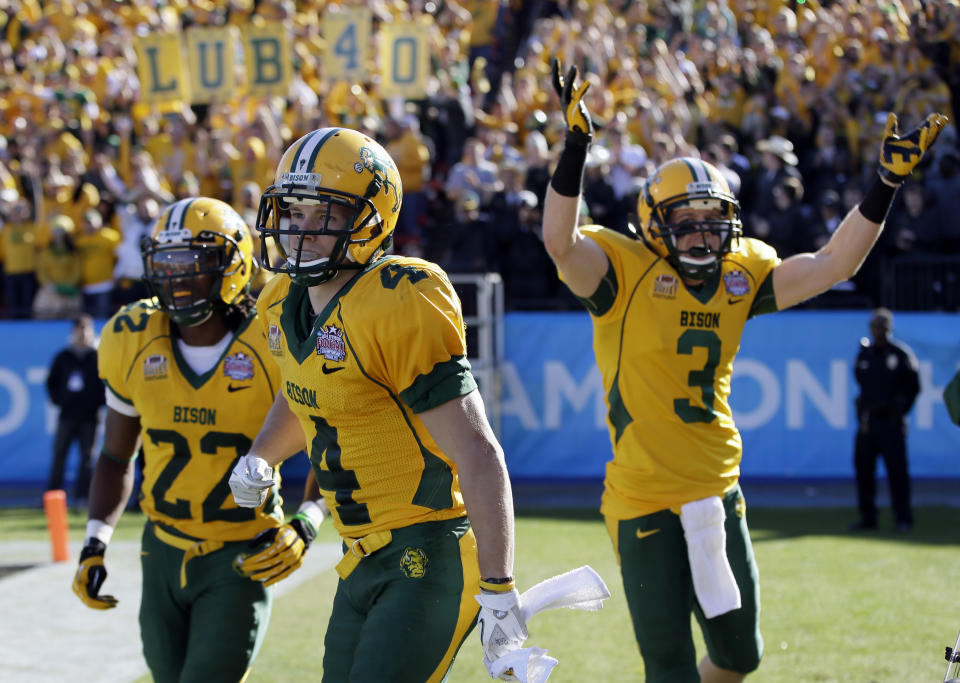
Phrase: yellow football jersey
pixel 390 345
pixel 194 427
pixel 665 353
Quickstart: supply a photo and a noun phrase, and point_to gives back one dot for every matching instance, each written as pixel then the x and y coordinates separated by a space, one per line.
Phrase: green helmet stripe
pixel 176 213
pixel 306 155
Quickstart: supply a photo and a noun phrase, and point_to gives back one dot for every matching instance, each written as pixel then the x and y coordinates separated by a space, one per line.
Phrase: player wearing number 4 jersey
pixel 668 305
pixel 376 386
pixel 190 375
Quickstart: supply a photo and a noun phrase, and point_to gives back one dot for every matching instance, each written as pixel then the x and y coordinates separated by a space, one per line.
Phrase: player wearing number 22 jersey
pixel 194 426
pixel 189 377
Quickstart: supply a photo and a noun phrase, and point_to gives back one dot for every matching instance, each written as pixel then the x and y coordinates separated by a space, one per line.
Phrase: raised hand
pixel 575 112
pixel 899 155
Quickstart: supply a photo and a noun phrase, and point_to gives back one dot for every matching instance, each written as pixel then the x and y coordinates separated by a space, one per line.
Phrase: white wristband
pixel 312 511
pixel 97 528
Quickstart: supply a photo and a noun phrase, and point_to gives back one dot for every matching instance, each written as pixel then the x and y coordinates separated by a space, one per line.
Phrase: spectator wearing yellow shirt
pixel 58 272
pixel 96 245
pixel 406 144
pixel 19 248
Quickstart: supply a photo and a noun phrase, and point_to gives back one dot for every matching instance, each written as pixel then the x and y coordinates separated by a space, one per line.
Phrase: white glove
pixel 529 665
pixel 501 624
pixel 251 481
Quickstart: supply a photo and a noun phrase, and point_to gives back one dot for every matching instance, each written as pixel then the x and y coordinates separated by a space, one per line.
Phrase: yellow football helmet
pixel 332 166
pixel 195 240
pixel 686 182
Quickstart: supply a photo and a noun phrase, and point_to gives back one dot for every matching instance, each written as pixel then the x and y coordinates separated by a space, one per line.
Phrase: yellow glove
pixel 900 155
pixel 287 546
pixel 571 98
pixel 90 576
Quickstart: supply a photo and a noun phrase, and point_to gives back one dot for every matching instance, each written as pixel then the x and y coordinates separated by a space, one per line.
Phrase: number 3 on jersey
pixel 703 378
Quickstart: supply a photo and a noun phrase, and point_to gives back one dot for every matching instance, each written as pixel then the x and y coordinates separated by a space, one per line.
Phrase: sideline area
pixel 78 643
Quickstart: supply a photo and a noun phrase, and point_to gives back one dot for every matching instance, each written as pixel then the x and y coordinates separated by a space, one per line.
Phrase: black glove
pixel 575 113
pixel 90 576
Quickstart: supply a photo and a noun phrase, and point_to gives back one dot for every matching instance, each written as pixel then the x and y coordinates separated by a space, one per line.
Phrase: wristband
pixel 311 512
pixel 504 585
pixel 97 528
pixel 568 176
pixel 876 202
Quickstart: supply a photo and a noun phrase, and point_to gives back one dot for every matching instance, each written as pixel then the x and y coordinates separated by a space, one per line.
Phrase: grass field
pixel 835 606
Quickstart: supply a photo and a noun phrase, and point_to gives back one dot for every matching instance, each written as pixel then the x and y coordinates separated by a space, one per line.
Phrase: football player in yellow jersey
pixel 189 373
pixel 376 386
pixel 668 306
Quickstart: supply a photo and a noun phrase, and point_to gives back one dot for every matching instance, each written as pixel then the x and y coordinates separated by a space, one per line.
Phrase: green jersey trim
pixel 124 399
pixel 297 320
pixel 195 380
pixel 704 292
pixel 447 380
pixel 602 300
pixel 766 300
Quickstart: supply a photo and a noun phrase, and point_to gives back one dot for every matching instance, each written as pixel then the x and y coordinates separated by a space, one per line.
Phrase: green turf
pixel 836 606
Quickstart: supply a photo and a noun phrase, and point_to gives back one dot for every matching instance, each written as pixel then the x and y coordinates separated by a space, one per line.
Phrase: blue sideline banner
pixel 793 391
pixel 792 395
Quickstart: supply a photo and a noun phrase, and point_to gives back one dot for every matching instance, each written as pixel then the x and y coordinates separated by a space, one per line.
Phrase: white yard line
pixel 48 636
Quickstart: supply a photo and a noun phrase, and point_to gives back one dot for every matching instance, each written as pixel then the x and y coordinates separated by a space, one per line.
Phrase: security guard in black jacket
pixel 889 383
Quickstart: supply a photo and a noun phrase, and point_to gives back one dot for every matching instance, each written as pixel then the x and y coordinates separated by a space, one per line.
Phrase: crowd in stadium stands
pixel 788 98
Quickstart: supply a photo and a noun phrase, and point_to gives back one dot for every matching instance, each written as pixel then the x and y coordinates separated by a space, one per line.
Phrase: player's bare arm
pixel 280 436
pixel 461 430
pixel 581 261
pixel 112 481
pixel 805 275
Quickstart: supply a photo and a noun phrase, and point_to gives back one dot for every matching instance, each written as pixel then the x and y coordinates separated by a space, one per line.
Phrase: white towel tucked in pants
pixel 713 580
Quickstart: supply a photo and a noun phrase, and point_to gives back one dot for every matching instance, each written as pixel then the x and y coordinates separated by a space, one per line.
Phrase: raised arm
pixel 805 275
pixel 581 261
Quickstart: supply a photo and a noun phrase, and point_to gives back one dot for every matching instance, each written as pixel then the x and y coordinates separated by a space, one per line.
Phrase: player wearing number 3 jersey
pixel 668 305
pixel 189 376
pixel 376 386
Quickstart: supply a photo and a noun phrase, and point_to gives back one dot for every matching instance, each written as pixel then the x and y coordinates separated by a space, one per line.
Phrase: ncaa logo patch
pixel 330 343
pixel 238 366
pixel 665 286
pixel 274 337
pixel 155 367
pixel 736 283
pixel 414 563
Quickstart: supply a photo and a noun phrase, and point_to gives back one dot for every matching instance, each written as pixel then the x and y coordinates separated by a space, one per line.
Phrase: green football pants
pixel 403 613
pixel 659 590
pixel 211 629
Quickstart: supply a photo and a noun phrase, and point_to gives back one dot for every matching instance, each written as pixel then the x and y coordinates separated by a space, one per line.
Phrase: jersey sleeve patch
pixel 448 380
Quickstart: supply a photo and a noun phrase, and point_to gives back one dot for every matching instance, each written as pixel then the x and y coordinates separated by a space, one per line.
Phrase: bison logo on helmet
pixel 371 161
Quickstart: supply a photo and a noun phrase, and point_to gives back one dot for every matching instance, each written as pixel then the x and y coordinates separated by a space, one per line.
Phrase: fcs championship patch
pixel 665 286
pixel 155 367
pixel 330 343
pixel 414 563
pixel 274 338
pixel 238 366
pixel 736 283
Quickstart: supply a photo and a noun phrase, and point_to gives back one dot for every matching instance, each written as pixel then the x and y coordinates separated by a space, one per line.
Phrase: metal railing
pixel 481 295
